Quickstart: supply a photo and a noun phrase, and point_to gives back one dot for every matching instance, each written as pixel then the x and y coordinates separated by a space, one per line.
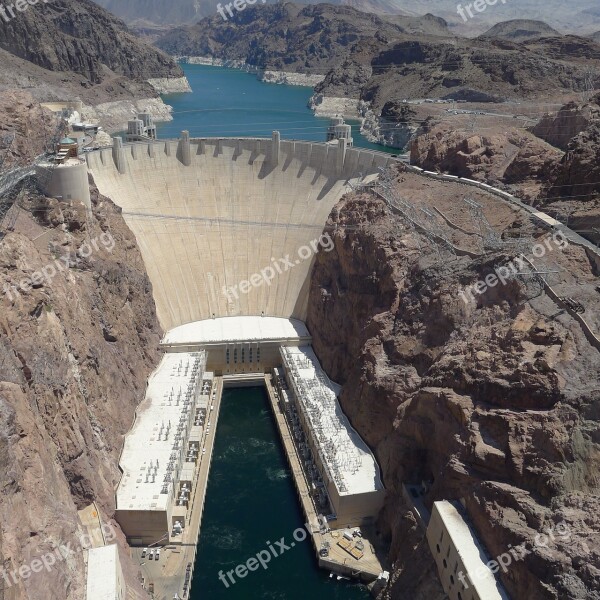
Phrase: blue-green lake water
pixel 229 102
pixel 251 502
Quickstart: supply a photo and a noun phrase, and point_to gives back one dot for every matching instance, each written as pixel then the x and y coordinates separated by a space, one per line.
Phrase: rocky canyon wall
pixel 77 343
pixel 494 402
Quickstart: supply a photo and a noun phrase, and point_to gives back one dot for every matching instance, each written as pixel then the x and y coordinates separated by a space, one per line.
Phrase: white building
pixel 459 556
pixel 105 578
pixel 157 447
pixel 349 472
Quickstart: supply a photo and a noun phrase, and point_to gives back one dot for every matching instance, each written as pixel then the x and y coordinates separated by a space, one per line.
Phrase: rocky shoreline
pixel 379 130
pixel 267 76
pixel 171 85
pixel 113 116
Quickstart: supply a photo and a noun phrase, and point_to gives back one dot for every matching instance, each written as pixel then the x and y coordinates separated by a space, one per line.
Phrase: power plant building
pixel 348 470
pixel 161 450
pixel 241 344
pixel 459 556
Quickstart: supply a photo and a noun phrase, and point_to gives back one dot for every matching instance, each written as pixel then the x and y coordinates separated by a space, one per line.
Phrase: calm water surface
pixel 251 502
pixel 228 102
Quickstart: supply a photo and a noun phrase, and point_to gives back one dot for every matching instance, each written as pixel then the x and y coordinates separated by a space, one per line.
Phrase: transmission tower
pixel 489 237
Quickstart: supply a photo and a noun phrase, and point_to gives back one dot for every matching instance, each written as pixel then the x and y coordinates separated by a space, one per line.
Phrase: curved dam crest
pixel 210 213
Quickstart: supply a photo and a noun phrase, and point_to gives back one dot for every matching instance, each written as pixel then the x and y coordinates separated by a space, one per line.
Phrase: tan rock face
pixel 75 352
pixel 573 118
pixel 502 156
pixel 28 123
pixel 492 402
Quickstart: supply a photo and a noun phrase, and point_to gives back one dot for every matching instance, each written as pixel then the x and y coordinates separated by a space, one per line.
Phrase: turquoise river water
pixel 228 102
pixel 251 502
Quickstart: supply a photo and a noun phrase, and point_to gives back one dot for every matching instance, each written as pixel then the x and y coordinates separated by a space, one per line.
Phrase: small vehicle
pixel 144 552
pixel 151 555
pixel 157 553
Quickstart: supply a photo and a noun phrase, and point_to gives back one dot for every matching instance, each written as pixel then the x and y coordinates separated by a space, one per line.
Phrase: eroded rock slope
pixel 494 402
pixel 75 352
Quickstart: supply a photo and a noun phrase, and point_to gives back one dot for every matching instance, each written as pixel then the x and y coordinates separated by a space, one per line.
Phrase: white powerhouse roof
pixel 151 444
pixel 471 552
pixel 348 459
pixel 234 329
pixel 102 578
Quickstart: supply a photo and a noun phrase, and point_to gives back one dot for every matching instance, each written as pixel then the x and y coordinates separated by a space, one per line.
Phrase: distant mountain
pixel 572 16
pixel 520 30
pixel 381 59
pixel 175 12
pixel 139 13
pixel 295 37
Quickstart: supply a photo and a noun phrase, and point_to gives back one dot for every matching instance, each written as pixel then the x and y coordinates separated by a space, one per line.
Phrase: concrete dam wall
pixel 209 214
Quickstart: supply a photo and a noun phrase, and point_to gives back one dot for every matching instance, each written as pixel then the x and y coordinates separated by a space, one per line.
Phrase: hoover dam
pixel 210 213
pixel 229 230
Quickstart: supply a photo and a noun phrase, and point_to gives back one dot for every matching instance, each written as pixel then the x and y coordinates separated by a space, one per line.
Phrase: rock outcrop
pixel 511 157
pixel 521 30
pixel 573 118
pixel 494 403
pixel 578 175
pixel 78 339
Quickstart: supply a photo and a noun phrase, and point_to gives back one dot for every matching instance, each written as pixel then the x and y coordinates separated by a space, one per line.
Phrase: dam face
pixel 210 214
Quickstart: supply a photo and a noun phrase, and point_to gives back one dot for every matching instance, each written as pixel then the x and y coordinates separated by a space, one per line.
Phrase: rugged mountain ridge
pixel 186 12
pixel 81 37
pixel 493 402
pixel 555 12
pixel 75 353
pixel 73 49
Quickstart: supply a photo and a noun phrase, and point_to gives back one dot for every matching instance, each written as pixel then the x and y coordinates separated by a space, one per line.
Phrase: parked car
pixel 151 555
pixel 144 552
pixel 157 553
